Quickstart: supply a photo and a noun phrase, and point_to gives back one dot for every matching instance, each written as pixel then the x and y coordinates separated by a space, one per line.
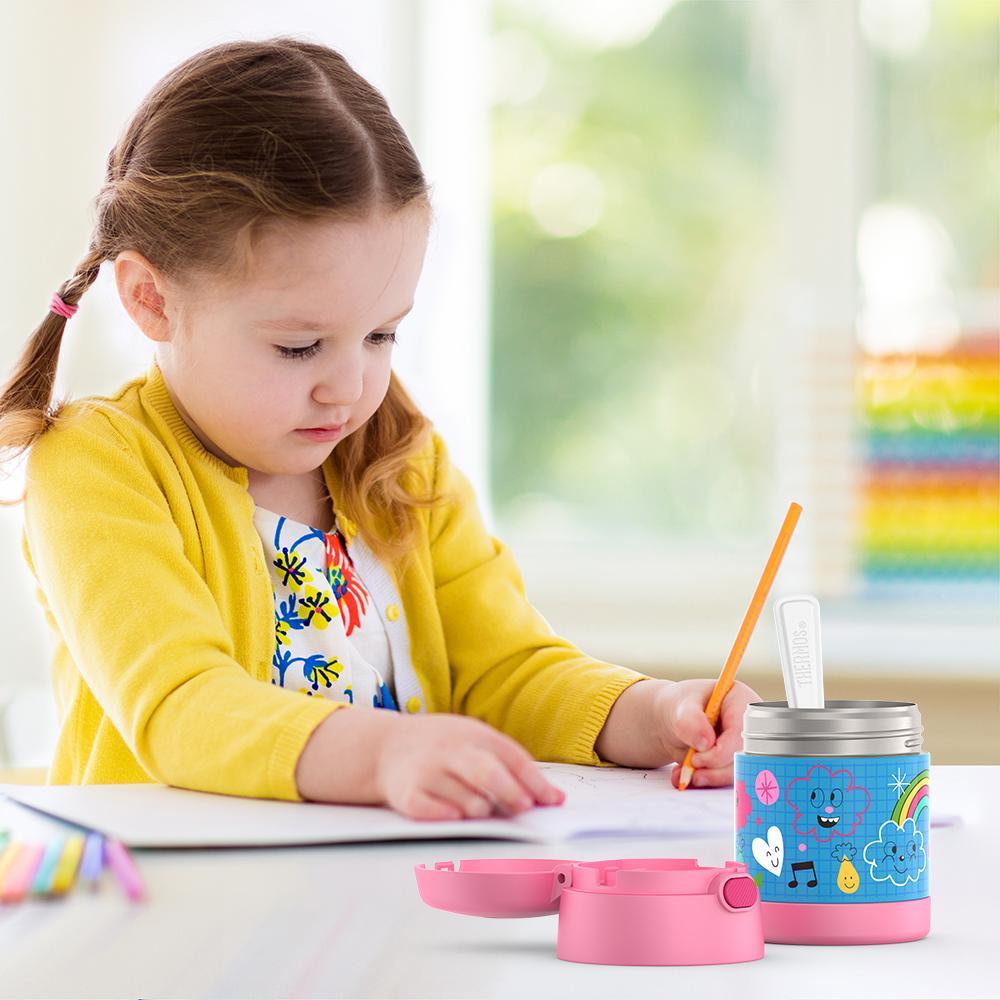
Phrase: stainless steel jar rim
pixel 844 706
pixel 841 728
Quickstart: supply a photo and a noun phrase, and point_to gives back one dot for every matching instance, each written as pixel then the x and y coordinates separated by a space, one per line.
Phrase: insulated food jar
pixel 832 820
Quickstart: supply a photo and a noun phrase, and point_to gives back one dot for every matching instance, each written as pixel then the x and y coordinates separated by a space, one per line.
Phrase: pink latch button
pixel 739 892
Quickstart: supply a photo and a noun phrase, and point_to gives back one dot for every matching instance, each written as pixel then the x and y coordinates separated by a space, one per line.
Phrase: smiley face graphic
pixel 770 853
pixel 898 856
pixel 848 879
pixel 826 803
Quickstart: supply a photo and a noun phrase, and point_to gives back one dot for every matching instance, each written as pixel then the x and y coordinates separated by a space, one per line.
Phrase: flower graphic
pixel 318 669
pixel 286 620
pixel 316 587
pixel 291 569
pixel 318 607
pixel 352 598
pixel 766 787
pixel 743 804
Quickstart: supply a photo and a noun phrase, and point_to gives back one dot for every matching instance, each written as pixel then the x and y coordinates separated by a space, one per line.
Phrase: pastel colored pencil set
pixel 52 869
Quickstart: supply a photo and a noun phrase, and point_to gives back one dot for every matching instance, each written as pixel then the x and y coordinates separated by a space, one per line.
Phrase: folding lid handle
pixel 495 887
pixel 649 876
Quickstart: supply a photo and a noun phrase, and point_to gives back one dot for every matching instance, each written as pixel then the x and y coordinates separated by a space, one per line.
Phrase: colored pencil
pixel 8 858
pixel 17 884
pixel 69 861
pixel 121 863
pixel 725 682
pixel 43 877
pixel 92 865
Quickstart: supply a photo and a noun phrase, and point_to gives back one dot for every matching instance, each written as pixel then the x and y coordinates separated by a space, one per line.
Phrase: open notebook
pixel 599 801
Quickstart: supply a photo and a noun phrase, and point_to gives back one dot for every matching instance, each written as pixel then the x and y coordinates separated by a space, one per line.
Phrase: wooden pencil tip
pixel 685 778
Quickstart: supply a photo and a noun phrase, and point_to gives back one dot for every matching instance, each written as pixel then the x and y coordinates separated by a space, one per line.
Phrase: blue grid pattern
pixel 880 776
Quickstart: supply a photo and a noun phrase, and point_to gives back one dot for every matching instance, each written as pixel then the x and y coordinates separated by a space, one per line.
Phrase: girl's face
pixel 243 366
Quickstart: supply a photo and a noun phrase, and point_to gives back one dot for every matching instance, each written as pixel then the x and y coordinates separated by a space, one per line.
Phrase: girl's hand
pixel 682 723
pixel 443 766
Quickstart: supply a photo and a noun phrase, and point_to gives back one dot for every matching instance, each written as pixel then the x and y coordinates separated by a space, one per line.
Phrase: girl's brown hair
pixel 241 135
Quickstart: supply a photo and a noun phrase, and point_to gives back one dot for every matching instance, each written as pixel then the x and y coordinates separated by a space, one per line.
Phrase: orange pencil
pixel 725 682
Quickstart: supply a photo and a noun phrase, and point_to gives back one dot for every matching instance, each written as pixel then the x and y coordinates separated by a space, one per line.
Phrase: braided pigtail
pixel 25 401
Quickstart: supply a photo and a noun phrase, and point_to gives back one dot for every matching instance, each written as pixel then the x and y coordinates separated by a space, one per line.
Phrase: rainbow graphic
pixel 914 800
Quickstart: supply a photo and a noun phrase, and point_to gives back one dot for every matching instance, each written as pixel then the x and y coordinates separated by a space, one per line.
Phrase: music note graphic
pixel 799 866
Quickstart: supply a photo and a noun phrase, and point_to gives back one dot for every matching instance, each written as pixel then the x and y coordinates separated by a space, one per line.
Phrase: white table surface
pixel 346 921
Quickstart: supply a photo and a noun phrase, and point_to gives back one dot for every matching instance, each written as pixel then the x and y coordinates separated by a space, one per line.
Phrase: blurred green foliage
pixel 614 388
pixel 625 361
pixel 936 130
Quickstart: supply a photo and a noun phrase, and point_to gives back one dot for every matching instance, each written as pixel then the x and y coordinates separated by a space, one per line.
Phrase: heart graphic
pixel 770 853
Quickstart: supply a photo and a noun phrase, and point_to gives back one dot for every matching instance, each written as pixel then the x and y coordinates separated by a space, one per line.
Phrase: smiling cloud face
pixel 898 855
pixel 827 803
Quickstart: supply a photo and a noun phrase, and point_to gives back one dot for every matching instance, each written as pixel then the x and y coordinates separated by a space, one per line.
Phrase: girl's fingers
pixel 734 705
pixel 469 802
pixel 522 765
pixel 730 742
pixel 531 778
pixel 422 805
pixel 712 777
pixel 691 725
pixel 483 771
pixel 704 777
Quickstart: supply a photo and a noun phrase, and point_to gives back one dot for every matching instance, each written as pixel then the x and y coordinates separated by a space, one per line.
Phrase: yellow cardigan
pixel 151 576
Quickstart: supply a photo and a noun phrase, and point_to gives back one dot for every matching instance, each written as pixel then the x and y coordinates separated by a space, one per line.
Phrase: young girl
pixel 262 572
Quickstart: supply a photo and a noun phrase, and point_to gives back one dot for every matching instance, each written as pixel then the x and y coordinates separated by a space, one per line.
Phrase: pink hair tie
pixel 61 308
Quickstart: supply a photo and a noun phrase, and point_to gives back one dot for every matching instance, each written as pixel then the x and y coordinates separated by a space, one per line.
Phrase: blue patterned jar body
pixel 834 840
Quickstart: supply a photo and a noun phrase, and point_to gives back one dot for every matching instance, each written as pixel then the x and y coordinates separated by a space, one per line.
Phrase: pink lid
pixel 530 887
pixel 631 911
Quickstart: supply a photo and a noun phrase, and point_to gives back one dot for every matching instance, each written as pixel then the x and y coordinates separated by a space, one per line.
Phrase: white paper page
pixel 598 801
pixel 618 800
pixel 148 815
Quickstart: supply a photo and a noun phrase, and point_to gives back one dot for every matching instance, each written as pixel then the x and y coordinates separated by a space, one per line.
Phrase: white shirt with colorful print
pixel 327 643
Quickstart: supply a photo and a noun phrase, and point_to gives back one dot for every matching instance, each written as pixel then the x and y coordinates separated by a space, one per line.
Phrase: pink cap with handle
pixel 630 911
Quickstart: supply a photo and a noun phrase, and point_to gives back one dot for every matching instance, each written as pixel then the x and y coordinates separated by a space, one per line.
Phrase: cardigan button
pixel 413 705
pixel 392 612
